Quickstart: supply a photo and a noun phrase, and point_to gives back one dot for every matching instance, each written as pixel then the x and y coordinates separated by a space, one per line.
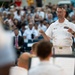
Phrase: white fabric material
pixel 7 54
pixel 41 13
pixel 28 33
pixel 18 71
pixel 60 35
pixel 45 68
pixel 22 12
pixel 18 17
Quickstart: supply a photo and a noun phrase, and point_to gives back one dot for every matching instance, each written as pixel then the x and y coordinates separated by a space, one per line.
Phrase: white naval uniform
pixel 61 38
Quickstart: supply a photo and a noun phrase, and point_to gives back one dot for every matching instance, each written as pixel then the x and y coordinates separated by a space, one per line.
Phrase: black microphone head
pixel 32 36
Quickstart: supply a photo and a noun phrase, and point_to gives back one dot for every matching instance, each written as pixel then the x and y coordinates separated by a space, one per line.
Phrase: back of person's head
pixel 44 49
pixel 23 60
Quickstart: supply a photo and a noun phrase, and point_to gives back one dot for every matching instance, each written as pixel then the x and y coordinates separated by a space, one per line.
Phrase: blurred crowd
pixel 28 20
pixel 24 24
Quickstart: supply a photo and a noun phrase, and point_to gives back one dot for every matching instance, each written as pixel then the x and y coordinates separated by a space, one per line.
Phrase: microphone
pixel 32 36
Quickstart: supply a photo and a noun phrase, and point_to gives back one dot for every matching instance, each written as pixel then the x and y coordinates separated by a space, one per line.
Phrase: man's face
pixel 16 32
pixel 61 13
pixel 30 25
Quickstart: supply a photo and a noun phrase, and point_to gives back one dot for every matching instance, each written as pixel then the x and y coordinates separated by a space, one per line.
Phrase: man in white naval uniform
pixel 60 32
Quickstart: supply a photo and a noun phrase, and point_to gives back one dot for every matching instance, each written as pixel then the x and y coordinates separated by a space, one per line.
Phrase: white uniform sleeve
pixel 49 31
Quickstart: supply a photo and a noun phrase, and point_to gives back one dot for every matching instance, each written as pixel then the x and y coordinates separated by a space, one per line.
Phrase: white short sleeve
pixel 49 31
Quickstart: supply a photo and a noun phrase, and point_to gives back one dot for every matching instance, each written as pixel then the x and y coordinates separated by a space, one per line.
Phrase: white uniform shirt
pixel 59 34
pixel 18 71
pixel 45 68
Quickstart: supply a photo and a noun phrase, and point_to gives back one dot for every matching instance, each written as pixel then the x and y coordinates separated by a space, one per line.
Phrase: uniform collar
pixel 65 21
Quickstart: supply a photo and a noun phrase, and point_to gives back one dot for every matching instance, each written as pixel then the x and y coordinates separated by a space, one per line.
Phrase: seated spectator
pixel 36 18
pixel 36 30
pixel 17 15
pixel 22 65
pixel 29 33
pixel 72 13
pixel 18 42
pixel 42 26
pixel 50 18
pixel 23 28
pixel 44 52
pixel 13 27
pixel 47 11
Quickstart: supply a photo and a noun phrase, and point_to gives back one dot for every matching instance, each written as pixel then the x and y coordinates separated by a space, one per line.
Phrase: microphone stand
pixel 53 49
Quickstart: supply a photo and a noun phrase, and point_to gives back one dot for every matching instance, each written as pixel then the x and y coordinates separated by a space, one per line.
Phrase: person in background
pixel 60 32
pixel 18 3
pixel 44 53
pixel 22 65
pixel 30 33
pixel 30 2
pixel 18 42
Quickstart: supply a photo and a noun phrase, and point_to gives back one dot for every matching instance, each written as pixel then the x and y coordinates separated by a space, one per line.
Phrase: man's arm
pixel 47 38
